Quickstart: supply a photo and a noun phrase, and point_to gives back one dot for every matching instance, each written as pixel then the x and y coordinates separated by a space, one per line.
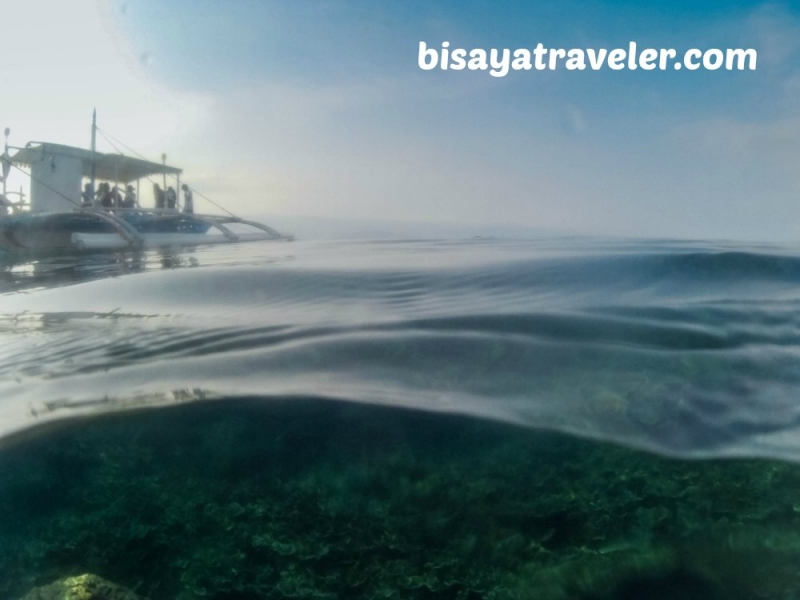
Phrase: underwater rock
pixel 82 587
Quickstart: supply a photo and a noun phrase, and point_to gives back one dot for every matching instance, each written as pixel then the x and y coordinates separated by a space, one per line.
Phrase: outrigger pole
pixel 94 140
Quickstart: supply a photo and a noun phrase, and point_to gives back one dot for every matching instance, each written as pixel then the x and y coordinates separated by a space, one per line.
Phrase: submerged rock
pixel 82 587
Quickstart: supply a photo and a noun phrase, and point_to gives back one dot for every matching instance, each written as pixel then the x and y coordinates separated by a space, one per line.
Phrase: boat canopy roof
pixel 111 167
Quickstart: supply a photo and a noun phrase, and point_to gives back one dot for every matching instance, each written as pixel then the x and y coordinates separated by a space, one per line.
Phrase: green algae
pixel 304 499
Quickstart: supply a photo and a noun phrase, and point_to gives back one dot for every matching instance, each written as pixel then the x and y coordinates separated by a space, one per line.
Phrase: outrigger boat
pixel 58 219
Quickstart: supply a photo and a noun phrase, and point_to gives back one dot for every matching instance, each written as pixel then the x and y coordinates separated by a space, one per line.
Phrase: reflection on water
pixel 177 260
pixel 48 271
pixel 53 271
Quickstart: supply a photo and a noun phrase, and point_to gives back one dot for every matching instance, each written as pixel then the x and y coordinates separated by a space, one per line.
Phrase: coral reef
pixel 308 499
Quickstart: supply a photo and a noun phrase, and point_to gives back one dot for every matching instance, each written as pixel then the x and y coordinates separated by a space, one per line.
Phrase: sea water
pixel 480 418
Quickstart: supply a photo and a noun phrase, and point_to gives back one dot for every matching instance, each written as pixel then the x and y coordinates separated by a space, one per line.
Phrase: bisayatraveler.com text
pixel 499 62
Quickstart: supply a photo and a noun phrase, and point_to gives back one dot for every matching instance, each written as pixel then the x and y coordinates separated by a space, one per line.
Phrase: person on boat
pixel 6 206
pixel 161 200
pixel 129 201
pixel 108 197
pixel 188 200
pixel 87 195
pixel 104 197
pixel 172 198
pixel 116 197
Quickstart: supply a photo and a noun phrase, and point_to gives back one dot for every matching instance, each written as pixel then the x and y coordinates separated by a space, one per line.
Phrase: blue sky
pixel 318 108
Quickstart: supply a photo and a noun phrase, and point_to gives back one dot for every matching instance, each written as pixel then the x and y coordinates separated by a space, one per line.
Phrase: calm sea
pixel 485 418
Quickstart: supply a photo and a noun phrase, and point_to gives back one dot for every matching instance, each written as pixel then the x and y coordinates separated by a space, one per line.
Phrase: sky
pixel 318 108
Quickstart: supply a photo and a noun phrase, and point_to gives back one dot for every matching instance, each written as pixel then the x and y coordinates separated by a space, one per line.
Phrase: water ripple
pixel 684 349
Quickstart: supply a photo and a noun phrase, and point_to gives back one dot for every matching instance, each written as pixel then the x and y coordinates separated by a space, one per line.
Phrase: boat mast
pixel 94 139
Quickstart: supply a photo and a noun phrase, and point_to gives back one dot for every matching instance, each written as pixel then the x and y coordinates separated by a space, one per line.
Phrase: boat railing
pixel 135 209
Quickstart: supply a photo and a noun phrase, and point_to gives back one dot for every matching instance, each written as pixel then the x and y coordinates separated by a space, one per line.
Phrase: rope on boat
pixel 194 191
pixel 109 139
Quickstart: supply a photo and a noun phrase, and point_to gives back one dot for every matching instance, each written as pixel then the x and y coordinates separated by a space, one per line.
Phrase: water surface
pixel 466 419
pixel 688 349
